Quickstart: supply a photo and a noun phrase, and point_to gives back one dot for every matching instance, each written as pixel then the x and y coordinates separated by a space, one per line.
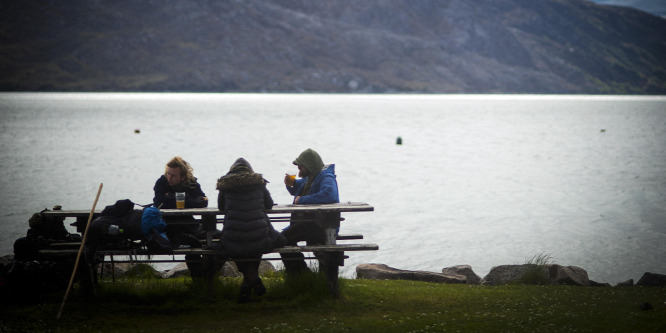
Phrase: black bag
pixel 49 227
pixel 121 208
pixel 121 214
pixel 43 231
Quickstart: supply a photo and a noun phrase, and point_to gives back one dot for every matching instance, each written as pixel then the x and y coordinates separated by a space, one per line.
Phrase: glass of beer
pixel 180 200
pixel 291 179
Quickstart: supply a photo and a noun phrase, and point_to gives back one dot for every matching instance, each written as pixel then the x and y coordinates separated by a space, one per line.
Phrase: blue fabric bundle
pixel 152 219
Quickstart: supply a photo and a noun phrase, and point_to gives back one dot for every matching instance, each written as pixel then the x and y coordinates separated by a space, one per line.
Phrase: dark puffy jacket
pixel 244 199
pixel 194 196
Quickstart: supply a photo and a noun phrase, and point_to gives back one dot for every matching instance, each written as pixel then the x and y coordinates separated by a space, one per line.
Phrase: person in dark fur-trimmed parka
pixel 247 232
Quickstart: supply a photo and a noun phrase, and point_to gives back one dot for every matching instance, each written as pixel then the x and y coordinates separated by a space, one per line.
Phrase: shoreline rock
pixel 536 274
pixel 552 274
pixel 460 274
pixel 384 272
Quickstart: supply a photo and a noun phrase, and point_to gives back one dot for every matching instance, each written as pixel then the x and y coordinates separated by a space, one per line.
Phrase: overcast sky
pixel 657 7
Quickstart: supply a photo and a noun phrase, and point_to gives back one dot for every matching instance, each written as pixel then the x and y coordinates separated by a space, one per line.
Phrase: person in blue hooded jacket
pixel 317 185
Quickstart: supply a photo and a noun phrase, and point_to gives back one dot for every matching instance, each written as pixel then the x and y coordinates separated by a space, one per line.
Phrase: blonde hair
pixel 186 170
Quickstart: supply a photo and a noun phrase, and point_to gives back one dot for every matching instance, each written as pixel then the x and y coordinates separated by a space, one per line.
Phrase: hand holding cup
pixel 290 179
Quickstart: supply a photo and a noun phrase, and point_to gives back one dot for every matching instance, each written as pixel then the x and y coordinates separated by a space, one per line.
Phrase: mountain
pixel 369 46
pixel 656 7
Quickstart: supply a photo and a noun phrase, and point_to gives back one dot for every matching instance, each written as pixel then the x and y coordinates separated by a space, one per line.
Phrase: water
pixel 482 180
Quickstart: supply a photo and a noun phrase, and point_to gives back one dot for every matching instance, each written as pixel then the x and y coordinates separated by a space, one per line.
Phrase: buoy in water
pixel 137 131
pixel 398 141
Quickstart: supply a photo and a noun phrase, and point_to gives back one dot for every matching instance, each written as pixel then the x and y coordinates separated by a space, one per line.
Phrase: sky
pixel 657 7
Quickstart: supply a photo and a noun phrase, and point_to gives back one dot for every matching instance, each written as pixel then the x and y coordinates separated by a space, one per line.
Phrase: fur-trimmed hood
pixel 235 180
pixel 240 174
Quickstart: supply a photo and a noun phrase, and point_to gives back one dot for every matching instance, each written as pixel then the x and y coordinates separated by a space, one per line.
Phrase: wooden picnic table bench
pixel 330 255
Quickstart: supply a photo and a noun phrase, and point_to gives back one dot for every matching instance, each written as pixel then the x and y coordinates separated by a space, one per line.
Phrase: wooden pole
pixel 78 256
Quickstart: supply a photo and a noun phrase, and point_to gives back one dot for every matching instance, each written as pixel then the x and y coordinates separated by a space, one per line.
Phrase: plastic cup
pixel 291 179
pixel 180 200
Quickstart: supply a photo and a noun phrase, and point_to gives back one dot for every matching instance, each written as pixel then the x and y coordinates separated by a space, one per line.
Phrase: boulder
pixel 536 274
pixel 229 269
pixel 141 270
pixel 599 284
pixel 465 270
pixel 628 283
pixel 384 272
pixel 505 274
pixel 645 306
pixel 266 268
pixel 177 271
pixel 652 280
pixel 570 275
pixel 109 270
pixel 6 260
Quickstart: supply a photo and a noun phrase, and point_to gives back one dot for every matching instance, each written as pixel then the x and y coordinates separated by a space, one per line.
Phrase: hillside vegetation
pixel 370 46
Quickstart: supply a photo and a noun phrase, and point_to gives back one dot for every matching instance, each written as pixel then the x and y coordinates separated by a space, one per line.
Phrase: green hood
pixel 310 160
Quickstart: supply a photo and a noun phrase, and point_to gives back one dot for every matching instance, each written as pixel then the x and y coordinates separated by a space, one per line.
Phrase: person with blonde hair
pixel 178 177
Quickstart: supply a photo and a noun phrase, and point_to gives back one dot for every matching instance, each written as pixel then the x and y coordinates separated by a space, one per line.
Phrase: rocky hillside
pixel 369 46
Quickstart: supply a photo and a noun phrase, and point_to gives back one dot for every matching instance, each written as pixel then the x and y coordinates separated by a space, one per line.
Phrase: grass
pixel 537 270
pixel 147 304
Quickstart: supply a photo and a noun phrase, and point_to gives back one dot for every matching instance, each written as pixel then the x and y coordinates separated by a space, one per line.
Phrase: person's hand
pixel 286 179
pixel 169 195
pixel 296 199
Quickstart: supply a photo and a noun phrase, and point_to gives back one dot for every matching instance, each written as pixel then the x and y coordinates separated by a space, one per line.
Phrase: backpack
pixel 115 227
pixel 153 228
pixel 49 227
pixel 145 225
pixel 123 214
pixel 121 208
pixel 43 231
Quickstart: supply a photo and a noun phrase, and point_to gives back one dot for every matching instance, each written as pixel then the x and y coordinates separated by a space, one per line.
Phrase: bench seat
pixel 328 216
pixel 286 249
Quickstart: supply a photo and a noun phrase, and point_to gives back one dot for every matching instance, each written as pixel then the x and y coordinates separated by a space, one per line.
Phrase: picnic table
pixel 331 254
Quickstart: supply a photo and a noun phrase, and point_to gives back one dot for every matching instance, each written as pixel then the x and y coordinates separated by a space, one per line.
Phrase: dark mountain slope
pixel 437 46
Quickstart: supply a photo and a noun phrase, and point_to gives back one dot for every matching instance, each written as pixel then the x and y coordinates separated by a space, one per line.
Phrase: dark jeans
pixel 249 269
pixel 310 232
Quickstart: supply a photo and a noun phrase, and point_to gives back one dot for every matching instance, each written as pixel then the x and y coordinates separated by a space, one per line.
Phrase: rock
pixel 230 270
pixel 535 274
pixel 645 306
pixel 652 280
pixel 465 270
pixel 177 271
pixel 6 260
pixel 570 275
pixel 266 267
pixel 108 270
pixel 505 274
pixel 628 283
pixel 384 272
pixel 142 270
pixel 599 284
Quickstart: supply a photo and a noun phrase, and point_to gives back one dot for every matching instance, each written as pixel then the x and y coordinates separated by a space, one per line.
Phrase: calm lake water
pixel 482 180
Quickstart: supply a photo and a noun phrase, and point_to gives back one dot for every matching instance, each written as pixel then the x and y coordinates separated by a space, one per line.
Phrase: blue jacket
pixel 324 188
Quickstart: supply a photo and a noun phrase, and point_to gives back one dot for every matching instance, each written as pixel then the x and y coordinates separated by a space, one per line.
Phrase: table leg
pixel 329 262
pixel 209 223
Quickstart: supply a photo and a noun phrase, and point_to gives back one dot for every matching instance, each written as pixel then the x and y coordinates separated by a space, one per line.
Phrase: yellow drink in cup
pixel 180 200
pixel 291 180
